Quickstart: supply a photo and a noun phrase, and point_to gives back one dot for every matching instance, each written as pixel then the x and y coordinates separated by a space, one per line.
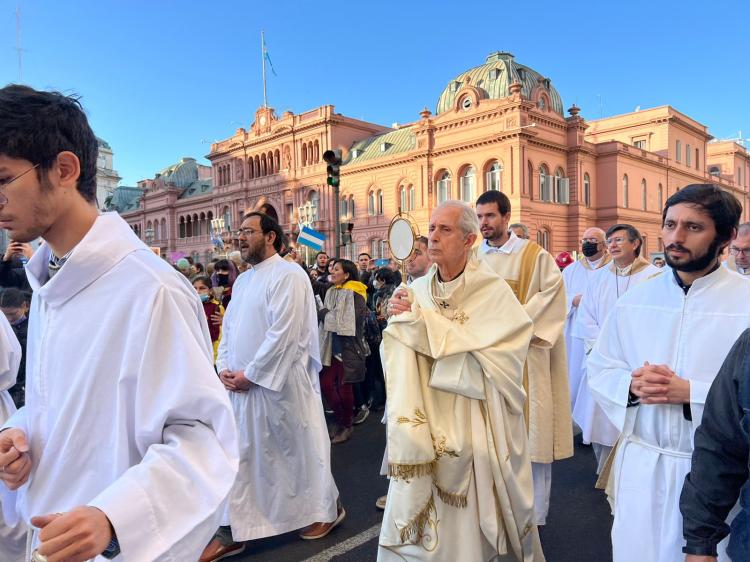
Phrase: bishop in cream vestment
pixel 461 485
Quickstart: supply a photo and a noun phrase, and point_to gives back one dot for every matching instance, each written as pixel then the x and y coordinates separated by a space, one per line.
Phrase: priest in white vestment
pixel 739 252
pixel 653 363
pixel 12 539
pixel 461 485
pixel 269 360
pixel 537 283
pixel 576 277
pixel 626 270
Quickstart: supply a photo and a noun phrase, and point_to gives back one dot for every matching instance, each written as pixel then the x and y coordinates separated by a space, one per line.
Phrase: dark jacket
pixel 18 391
pixel 354 349
pixel 13 274
pixel 719 469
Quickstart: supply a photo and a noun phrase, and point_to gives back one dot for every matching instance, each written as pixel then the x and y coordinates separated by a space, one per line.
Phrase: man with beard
pixel 537 283
pixel 656 356
pixel 576 277
pixel 739 252
pixel 269 361
pixel 626 269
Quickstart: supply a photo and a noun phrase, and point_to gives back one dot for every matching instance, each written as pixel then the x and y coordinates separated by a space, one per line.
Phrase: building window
pixel 406 198
pixel 530 181
pixel 641 143
pixel 371 203
pixel 344 208
pixel 375 248
pixel 586 190
pixel 384 249
pixel 644 195
pixel 380 201
pixel 545 184
pixel 697 159
pixel 182 227
pixel 468 185
pixel 660 197
pixel 739 175
pixel 542 238
pixel 494 179
pixel 352 212
pixel 688 155
pixel 561 188
pixel 678 151
pixel 466 103
pixel 625 191
pixel 444 187
pixel 412 198
pixel 715 171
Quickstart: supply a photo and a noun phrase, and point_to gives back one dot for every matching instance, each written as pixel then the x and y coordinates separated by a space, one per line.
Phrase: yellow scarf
pixel 356 286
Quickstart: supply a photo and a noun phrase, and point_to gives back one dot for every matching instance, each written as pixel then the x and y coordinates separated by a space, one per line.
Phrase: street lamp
pixel 149 236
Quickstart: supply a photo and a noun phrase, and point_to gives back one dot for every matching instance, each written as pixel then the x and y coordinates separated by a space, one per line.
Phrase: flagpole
pixel 263 58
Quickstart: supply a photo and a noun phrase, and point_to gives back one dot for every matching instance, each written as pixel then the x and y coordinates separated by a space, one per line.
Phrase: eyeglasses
pixel 6 183
pixel 246 232
pixel 734 250
pixel 617 241
pixel 591 240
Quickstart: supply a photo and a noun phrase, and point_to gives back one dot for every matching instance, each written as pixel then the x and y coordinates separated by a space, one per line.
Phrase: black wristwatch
pixel 633 400
pixel 113 548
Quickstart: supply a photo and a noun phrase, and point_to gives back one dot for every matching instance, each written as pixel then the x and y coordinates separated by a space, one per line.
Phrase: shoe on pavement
pixel 333 430
pixel 217 551
pixel 342 436
pixel 380 502
pixel 361 416
pixel 320 530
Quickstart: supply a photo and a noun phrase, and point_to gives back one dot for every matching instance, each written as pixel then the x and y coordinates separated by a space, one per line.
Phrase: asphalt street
pixel 577 528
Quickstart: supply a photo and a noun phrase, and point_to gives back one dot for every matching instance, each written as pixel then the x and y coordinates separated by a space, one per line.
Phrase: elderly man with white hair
pixel 461 485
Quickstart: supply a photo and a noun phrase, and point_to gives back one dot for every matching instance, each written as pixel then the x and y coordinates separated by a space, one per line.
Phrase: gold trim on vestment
pixel 639 264
pixel 454 500
pixel 409 471
pixel 413 531
pixel 606 258
pixel 528 261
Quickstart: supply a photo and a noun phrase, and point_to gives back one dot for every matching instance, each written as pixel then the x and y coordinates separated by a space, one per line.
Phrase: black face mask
pixel 589 249
pixel 222 279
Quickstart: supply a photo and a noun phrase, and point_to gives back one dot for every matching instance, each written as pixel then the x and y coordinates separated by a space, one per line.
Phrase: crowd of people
pixel 203 418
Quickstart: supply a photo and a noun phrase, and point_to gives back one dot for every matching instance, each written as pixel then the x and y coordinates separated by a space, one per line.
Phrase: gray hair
pixel 468 221
pixel 743 228
pixel 521 226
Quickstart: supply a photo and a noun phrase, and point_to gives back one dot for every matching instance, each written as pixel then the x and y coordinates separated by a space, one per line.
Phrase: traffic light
pixel 346 232
pixel 333 159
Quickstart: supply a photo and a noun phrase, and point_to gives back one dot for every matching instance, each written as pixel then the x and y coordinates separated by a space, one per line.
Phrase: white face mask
pixel 378 284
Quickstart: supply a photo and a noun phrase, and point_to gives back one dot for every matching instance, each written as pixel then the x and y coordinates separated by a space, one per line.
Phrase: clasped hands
pixel 235 381
pixel 658 384
pixel 76 536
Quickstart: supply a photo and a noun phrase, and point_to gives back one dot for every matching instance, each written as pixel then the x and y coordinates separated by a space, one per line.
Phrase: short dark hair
pixel 422 240
pixel 633 234
pixel 319 253
pixel 268 224
pixel 12 297
pixel 498 197
pixel 369 257
pixel 37 126
pixel 387 275
pixel 349 267
pixel 222 264
pixel 723 207
pixel 203 279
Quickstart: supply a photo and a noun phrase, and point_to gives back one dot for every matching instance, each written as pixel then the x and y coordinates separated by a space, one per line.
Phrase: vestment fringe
pixel 408 471
pixel 454 500
pixel 413 531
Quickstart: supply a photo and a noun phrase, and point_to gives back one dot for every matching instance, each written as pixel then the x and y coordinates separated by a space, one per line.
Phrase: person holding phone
pixel 12 273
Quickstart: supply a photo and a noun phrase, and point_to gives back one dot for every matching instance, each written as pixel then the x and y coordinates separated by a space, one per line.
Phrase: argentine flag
pixel 311 238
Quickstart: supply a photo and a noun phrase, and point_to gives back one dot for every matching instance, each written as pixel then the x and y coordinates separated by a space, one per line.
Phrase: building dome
pixel 493 80
pixel 182 174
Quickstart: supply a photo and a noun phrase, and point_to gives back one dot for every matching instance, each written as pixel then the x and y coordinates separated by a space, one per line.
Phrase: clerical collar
pixel 506 248
pixel 681 284
pixel 623 271
pixel 595 264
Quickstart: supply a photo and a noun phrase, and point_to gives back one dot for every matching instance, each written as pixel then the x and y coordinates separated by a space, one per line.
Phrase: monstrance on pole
pixel 402 239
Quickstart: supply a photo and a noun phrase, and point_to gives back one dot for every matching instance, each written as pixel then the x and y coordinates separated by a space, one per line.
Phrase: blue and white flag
pixel 311 238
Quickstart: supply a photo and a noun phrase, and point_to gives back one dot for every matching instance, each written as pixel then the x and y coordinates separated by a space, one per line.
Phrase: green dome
pixel 182 174
pixel 494 78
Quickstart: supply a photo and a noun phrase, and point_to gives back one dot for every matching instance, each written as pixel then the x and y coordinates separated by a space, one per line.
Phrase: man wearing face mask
pixel 576 276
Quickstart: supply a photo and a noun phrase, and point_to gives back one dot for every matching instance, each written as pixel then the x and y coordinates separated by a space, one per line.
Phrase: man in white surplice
pixel 269 361
pixel 12 539
pixel 127 441
pixel 653 363
pixel 461 485
pixel 626 269
pixel 576 277
pixel 739 252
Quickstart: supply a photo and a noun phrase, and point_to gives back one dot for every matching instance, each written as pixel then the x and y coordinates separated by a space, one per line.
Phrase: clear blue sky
pixel 160 77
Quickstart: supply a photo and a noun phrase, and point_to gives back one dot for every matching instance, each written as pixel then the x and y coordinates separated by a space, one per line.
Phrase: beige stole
pixel 606 258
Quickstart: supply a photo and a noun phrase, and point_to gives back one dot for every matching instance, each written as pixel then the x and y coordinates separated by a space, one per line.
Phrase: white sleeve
pixel 10 354
pixel 184 431
pixel 222 353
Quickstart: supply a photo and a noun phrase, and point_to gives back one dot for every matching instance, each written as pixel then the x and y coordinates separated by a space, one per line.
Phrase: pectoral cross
pixel 460 317
pixel 444 304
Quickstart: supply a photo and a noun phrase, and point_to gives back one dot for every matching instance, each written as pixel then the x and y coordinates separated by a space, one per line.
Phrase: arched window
pixel 352 212
pixel 380 201
pixel 196 226
pixel 227 219
pixel 257 166
pixel 644 195
pixel 714 171
pixel 250 170
pixel 625 191
pixel 371 203
pixel 375 248
pixel 164 233
pixel 660 197
pixel 314 199
pixel 545 184
pixel 316 152
pixel 530 181
pixel 263 165
pixel 468 185
pixel 402 198
pixel 277 160
pixel 586 190
pixel 304 154
pixel 412 198
pixel 494 177
pixel 189 227
pixel 562 187
pixel 157 230
pixel 444 187
pixel 344 209
pixel 543 238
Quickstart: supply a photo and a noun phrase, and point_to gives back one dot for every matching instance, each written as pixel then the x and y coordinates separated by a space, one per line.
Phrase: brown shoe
pixel 320 530
pixel 217 551
pixel 342 436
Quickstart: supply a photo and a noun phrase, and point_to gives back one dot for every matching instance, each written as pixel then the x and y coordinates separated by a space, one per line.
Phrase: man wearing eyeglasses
pixel 656 357
pixel 739 252
pixel 127 442
pixel 576 276
pixel 626 270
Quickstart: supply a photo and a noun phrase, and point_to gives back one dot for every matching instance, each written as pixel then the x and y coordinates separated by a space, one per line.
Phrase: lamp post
pixel 149 234
pixel 308 213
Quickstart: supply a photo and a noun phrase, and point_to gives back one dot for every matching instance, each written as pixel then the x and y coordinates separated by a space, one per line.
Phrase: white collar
pixel 507 248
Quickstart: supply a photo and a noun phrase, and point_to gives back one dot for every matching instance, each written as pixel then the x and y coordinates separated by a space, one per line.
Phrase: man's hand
pixel 227 381
pixel 15 461
pixel 576 300
pixel 18 249
pixel 217 318
pixel 699 558
pixel 658 384
pixel 235 381
pixel 76 536
pixel 399 302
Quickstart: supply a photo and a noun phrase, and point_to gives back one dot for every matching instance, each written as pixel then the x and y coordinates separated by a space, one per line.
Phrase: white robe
pixel 270 332
pixel 658 323
pixel 124 411
pixel 575 277
pixel 12 539
pixel 597 302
